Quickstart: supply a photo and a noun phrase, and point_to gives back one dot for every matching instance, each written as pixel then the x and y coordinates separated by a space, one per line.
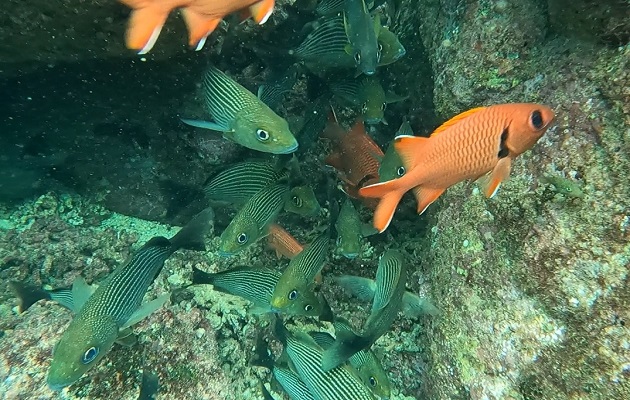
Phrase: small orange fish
pixel 356 157
pixel 479 141
pixel 283 242
pixel 201 17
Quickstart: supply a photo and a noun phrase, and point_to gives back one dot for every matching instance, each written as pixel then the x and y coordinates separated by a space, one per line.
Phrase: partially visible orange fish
pixel 201 17
pixel 356 157
pixel 283 242
pixel 472 144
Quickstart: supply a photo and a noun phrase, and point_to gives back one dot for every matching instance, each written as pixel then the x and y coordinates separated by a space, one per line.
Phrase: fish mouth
pixel 290 149
pixel 351 256
pixel 59 385
pixel 223 253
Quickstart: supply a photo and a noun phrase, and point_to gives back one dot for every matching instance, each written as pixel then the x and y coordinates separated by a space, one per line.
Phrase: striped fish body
pixel 244 118
pixel 292 384
pixel 362 35
pixel 329 7
pixel 94 329
pixel 252 284
pixel 341 383
pixel 252 221
pixel 325 46
pixel 467 146
pixel 272 93
pixel 356 157
pixel 238 183
pixel 348 228
pixel 283 242
pixel 293 294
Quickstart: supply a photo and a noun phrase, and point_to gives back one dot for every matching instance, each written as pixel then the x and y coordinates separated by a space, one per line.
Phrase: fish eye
pixel 364 107
pixel 262 135
pixel 357 57
pixel 379 52
pixel 400 171
pixel 383 106
pixel 242 238
pixel 338 240
pixel 89 355
pixel 308 307
pixel 373 381
pixel 537 119
pixel 297 201
pixel 293 295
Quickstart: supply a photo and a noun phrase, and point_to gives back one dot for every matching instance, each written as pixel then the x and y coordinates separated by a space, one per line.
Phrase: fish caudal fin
pixel 347 343
pixel 27 295
pixel 425 196
pixel 199 27
pixel 262 10
pixel 145 23
pixel 389 195
pixel 200 277
pixel 490 183
pixel 191 236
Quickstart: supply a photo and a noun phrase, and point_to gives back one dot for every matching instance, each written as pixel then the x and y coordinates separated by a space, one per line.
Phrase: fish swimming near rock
pixel 201 17
pixel 294 293
pixel 564 186
pixel 362 31
pixel 104 316
pixel 480 141
pixel 242 117
pixel 350 230
pixel 391 277
pixel 355 156
pixel 391 48
pixel 340 383
pixel 365 362
pixel 251 222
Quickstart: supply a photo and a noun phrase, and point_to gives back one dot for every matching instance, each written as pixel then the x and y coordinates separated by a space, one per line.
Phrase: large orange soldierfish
pixel 479 141
pixel 201 17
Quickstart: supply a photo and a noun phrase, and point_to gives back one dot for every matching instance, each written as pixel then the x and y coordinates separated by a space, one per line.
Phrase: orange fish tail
pixel 199 27
pixel 389 195
pixel 144 26
pixel 262 10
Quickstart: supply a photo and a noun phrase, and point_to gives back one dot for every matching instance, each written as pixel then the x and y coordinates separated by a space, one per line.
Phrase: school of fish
pixel 341 53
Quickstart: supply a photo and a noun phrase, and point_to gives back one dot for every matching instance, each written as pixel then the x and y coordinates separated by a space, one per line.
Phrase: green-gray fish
pixel 242 117
pixel 391 276
pixel 272 93
pixel 252 221
pixel 365 362
pixel 413 306
pixel 340 383
pixel 391 48
pixel 302 201
pixel 350 230
pixel 392 166
pixel 314 122
pixel 102 316
pixel 564 186
pixel 362 32
pixel 293 293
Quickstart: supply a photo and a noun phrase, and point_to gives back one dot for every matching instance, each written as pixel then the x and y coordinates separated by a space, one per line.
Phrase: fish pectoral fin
pixel 262 10
pixel 199 27
pixel 126 337
pixel 204 124
pixel 394 98
pixel 426 196
pixel 490 183
pixel 145 24
pixel 81 292
pixel 146 309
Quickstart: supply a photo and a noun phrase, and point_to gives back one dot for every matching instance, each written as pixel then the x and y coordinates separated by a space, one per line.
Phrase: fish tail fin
pixel 145 23
pixel 199 27
pixel 27 295
pixel 389 194
pixel 262 10
pixel 200 277
pixel 191 236
pixel 279 330
pixel 347 343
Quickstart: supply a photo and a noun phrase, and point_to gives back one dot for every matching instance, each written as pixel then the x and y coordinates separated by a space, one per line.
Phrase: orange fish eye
pixel 536 119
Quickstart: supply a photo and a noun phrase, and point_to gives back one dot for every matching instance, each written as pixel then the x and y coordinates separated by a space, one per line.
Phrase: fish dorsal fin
pixel 455 120
pixel 81 292
pixel 377 24
pixel 145 310
pixel 407 148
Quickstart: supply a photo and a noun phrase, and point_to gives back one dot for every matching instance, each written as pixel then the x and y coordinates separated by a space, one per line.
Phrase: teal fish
pixel 564 186
pixel 413 306
pixel 368 95
pixel 391 48
pixel 365 362
pixel 242 117
pixel 362 32
pixel 105 314
pixel 392 166
pixel 302 201
pixel 293 293
pixel 272 93
pixel 252 221
pixel 391 276
pixel 340 383
pixel 350 230
pixel 150 385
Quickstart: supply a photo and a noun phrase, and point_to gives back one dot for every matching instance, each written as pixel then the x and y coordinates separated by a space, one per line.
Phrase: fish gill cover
pixel 520 296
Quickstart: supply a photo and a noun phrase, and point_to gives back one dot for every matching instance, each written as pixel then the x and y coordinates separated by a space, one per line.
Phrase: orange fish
pixel 472 144
pixel 283 242
pixel 356 157
pixel 201 17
